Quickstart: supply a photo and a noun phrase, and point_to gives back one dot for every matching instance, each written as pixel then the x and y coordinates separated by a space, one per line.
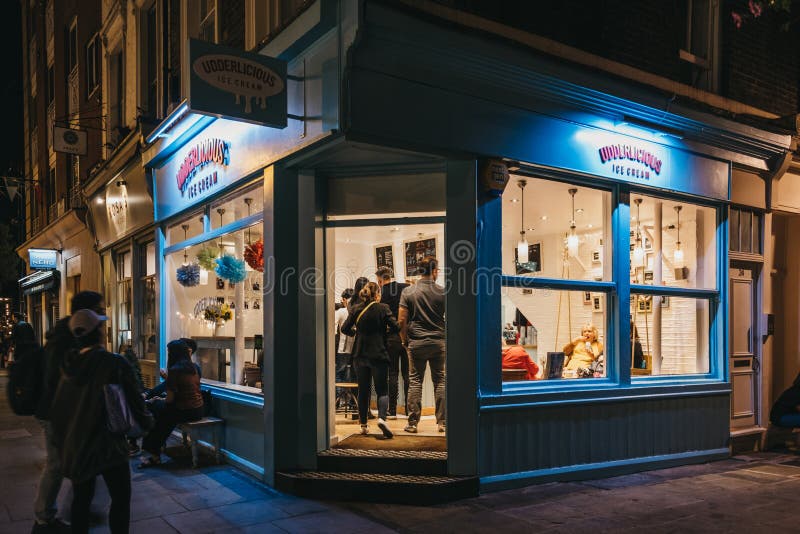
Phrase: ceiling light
pixel 678 254
pixel 572 238
pixel 522 245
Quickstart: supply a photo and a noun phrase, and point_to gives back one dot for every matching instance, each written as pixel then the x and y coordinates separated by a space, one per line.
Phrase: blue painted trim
pixel 203 122
pixel 558 283
pixel 582 471
pixel 634 392
pixel 236 397
pixel 163 301
pixel 168 122
pixel 618 368
pixel 243 464
pixel 392 221
pixel 708 294
pixel 217 232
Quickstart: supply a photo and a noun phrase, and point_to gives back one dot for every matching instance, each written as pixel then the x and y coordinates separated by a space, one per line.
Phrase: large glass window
pixel 560 284
pixel 554 231
pixel 215 297
pixel 148 334
pixel 124 298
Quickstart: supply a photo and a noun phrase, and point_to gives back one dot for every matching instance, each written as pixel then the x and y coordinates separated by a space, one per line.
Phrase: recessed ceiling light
pixel 579 210
pixel 544 217
pixel 531 229
pixel 514 200
pixel 590 226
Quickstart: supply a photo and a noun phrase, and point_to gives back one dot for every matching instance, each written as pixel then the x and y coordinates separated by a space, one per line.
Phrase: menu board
pixel 384 256
pixel 416 251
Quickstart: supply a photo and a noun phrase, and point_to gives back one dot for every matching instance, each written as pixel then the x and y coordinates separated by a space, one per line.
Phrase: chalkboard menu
pixel 415 251
pixel 384 257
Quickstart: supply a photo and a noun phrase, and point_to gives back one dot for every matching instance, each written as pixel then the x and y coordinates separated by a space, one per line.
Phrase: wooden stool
pixel 347 395
pixel 191 429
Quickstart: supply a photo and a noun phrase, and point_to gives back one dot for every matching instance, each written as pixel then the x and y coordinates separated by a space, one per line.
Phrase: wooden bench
pixel 192 430
pixel 780 435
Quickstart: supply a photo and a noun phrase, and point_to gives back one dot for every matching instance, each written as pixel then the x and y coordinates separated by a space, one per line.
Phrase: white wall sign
pixel 70 141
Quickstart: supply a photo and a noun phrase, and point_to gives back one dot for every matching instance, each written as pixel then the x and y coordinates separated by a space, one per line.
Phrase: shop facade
pixel 553 199
pixel 121 209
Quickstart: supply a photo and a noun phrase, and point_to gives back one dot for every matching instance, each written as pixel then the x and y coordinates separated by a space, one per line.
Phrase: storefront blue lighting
pixel 168 123
pixel 657 129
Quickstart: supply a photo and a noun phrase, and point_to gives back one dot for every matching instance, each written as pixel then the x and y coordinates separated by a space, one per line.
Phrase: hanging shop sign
pixel 226 82
pixel 42 258
pixel 70 141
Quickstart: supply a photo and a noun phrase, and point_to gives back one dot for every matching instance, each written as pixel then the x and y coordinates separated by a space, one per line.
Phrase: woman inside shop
pixel 585 354
pixel 184 400
pixel 371 320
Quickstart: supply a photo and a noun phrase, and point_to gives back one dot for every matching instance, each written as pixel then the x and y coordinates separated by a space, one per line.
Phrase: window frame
pixel 72 46
pixel 93 65
pixel 618 293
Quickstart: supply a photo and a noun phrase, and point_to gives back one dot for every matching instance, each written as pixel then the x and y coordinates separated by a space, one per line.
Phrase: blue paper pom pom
pixel 188 275
pixel 231 269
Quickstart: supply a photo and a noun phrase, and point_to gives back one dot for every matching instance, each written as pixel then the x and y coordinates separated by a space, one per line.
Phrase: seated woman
pixel 639 361
pixel 184 401
pixel 516 357
pixel 585 353
pixel 786 410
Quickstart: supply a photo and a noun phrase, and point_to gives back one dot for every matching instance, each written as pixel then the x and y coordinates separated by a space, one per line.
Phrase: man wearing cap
pixel 398 357
pixel 59 342
pixel 80 424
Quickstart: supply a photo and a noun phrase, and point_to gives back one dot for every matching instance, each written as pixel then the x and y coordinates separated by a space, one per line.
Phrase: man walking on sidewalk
pixel 59 341
pixel 422 321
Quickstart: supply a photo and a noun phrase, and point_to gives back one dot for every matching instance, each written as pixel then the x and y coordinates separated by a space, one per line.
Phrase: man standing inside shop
pixel 398 358
pixel 422 321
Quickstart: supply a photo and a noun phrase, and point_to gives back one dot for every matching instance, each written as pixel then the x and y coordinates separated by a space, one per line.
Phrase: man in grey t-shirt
pixel 422 321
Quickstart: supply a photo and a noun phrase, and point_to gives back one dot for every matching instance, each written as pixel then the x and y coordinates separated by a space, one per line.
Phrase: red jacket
pixel 515 357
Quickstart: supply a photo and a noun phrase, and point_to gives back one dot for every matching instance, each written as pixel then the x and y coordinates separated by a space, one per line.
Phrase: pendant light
pixel 638 250
pixel 522 245
pixel 677 256
pixel 203 272
pixel 185 227
pixel 572 238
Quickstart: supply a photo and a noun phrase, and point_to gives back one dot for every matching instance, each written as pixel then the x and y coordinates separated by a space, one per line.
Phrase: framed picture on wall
pixel 644 303
pixel 648 245
pixel 384 256
pixel 648 277
pixel 597 303
pixel 664 302
pixel 587 297
pixel 597 257
pixel 415 251
pixel 534 263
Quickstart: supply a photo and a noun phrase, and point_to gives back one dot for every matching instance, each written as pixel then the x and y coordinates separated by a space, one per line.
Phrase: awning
pixel 39 281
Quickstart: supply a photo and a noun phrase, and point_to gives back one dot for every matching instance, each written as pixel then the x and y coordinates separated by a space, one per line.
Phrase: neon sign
pixel 202 154
pixel 647 161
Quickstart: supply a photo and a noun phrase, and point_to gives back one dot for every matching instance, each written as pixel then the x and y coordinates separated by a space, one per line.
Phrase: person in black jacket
pixel 79 419
pixel 398 357
pixel 371 321
pixel 786 410
pixel 59 342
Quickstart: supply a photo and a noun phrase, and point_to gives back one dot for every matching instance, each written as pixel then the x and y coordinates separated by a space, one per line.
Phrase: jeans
pixel 50 482
pixel 790 420
pixel 166 419
pixel 118 482
pixel 369 371
pixel 419 358
pixel 398 364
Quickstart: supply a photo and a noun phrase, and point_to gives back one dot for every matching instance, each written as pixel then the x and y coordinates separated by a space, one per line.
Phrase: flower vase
pixel 219 323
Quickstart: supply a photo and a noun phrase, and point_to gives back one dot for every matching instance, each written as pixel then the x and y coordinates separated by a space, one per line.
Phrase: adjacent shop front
pixel 122 219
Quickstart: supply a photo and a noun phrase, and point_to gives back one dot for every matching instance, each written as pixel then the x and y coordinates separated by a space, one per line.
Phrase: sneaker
pixel 364 429
pixel 411 429
pixel 441 427
pixel 387 432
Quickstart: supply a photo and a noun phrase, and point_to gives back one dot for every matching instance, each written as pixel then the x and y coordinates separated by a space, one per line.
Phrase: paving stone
pixel 154 506
pixel 340 521
pixel 297 506
pixel 251 512
pixel 207 498
pixel 154 525
pixel 260 528
pixel 198 521
pixel 481 521
pixel 635 479
pixel 404 516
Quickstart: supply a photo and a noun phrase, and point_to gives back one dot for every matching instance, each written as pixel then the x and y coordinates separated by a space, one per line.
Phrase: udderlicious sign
pixel 237 85
pixel 191 181
pixel 630 161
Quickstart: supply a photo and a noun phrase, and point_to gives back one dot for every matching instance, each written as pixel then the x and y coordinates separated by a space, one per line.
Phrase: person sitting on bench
pixel 786 410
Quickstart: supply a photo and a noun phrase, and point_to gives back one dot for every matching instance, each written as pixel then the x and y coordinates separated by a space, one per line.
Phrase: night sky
pixel 11 134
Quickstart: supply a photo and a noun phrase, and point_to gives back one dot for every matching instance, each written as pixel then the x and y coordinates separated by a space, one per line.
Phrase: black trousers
pixel 166 419
pixel 398 365
pixel 118 482
pixel 368 372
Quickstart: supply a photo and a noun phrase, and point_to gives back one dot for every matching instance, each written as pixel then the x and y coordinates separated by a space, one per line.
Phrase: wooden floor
pixel 347 427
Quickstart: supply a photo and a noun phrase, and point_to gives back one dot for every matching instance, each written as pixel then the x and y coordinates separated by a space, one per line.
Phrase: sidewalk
pixel 757 492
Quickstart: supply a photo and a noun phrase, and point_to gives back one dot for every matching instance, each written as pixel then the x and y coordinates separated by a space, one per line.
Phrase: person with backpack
pixel 59 342
pixel 94 385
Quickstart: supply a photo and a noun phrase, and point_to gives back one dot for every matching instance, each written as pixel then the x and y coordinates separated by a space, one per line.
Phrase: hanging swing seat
pixel 647 370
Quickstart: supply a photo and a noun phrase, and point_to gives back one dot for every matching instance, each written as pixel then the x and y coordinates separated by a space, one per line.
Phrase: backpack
pixel 25 382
